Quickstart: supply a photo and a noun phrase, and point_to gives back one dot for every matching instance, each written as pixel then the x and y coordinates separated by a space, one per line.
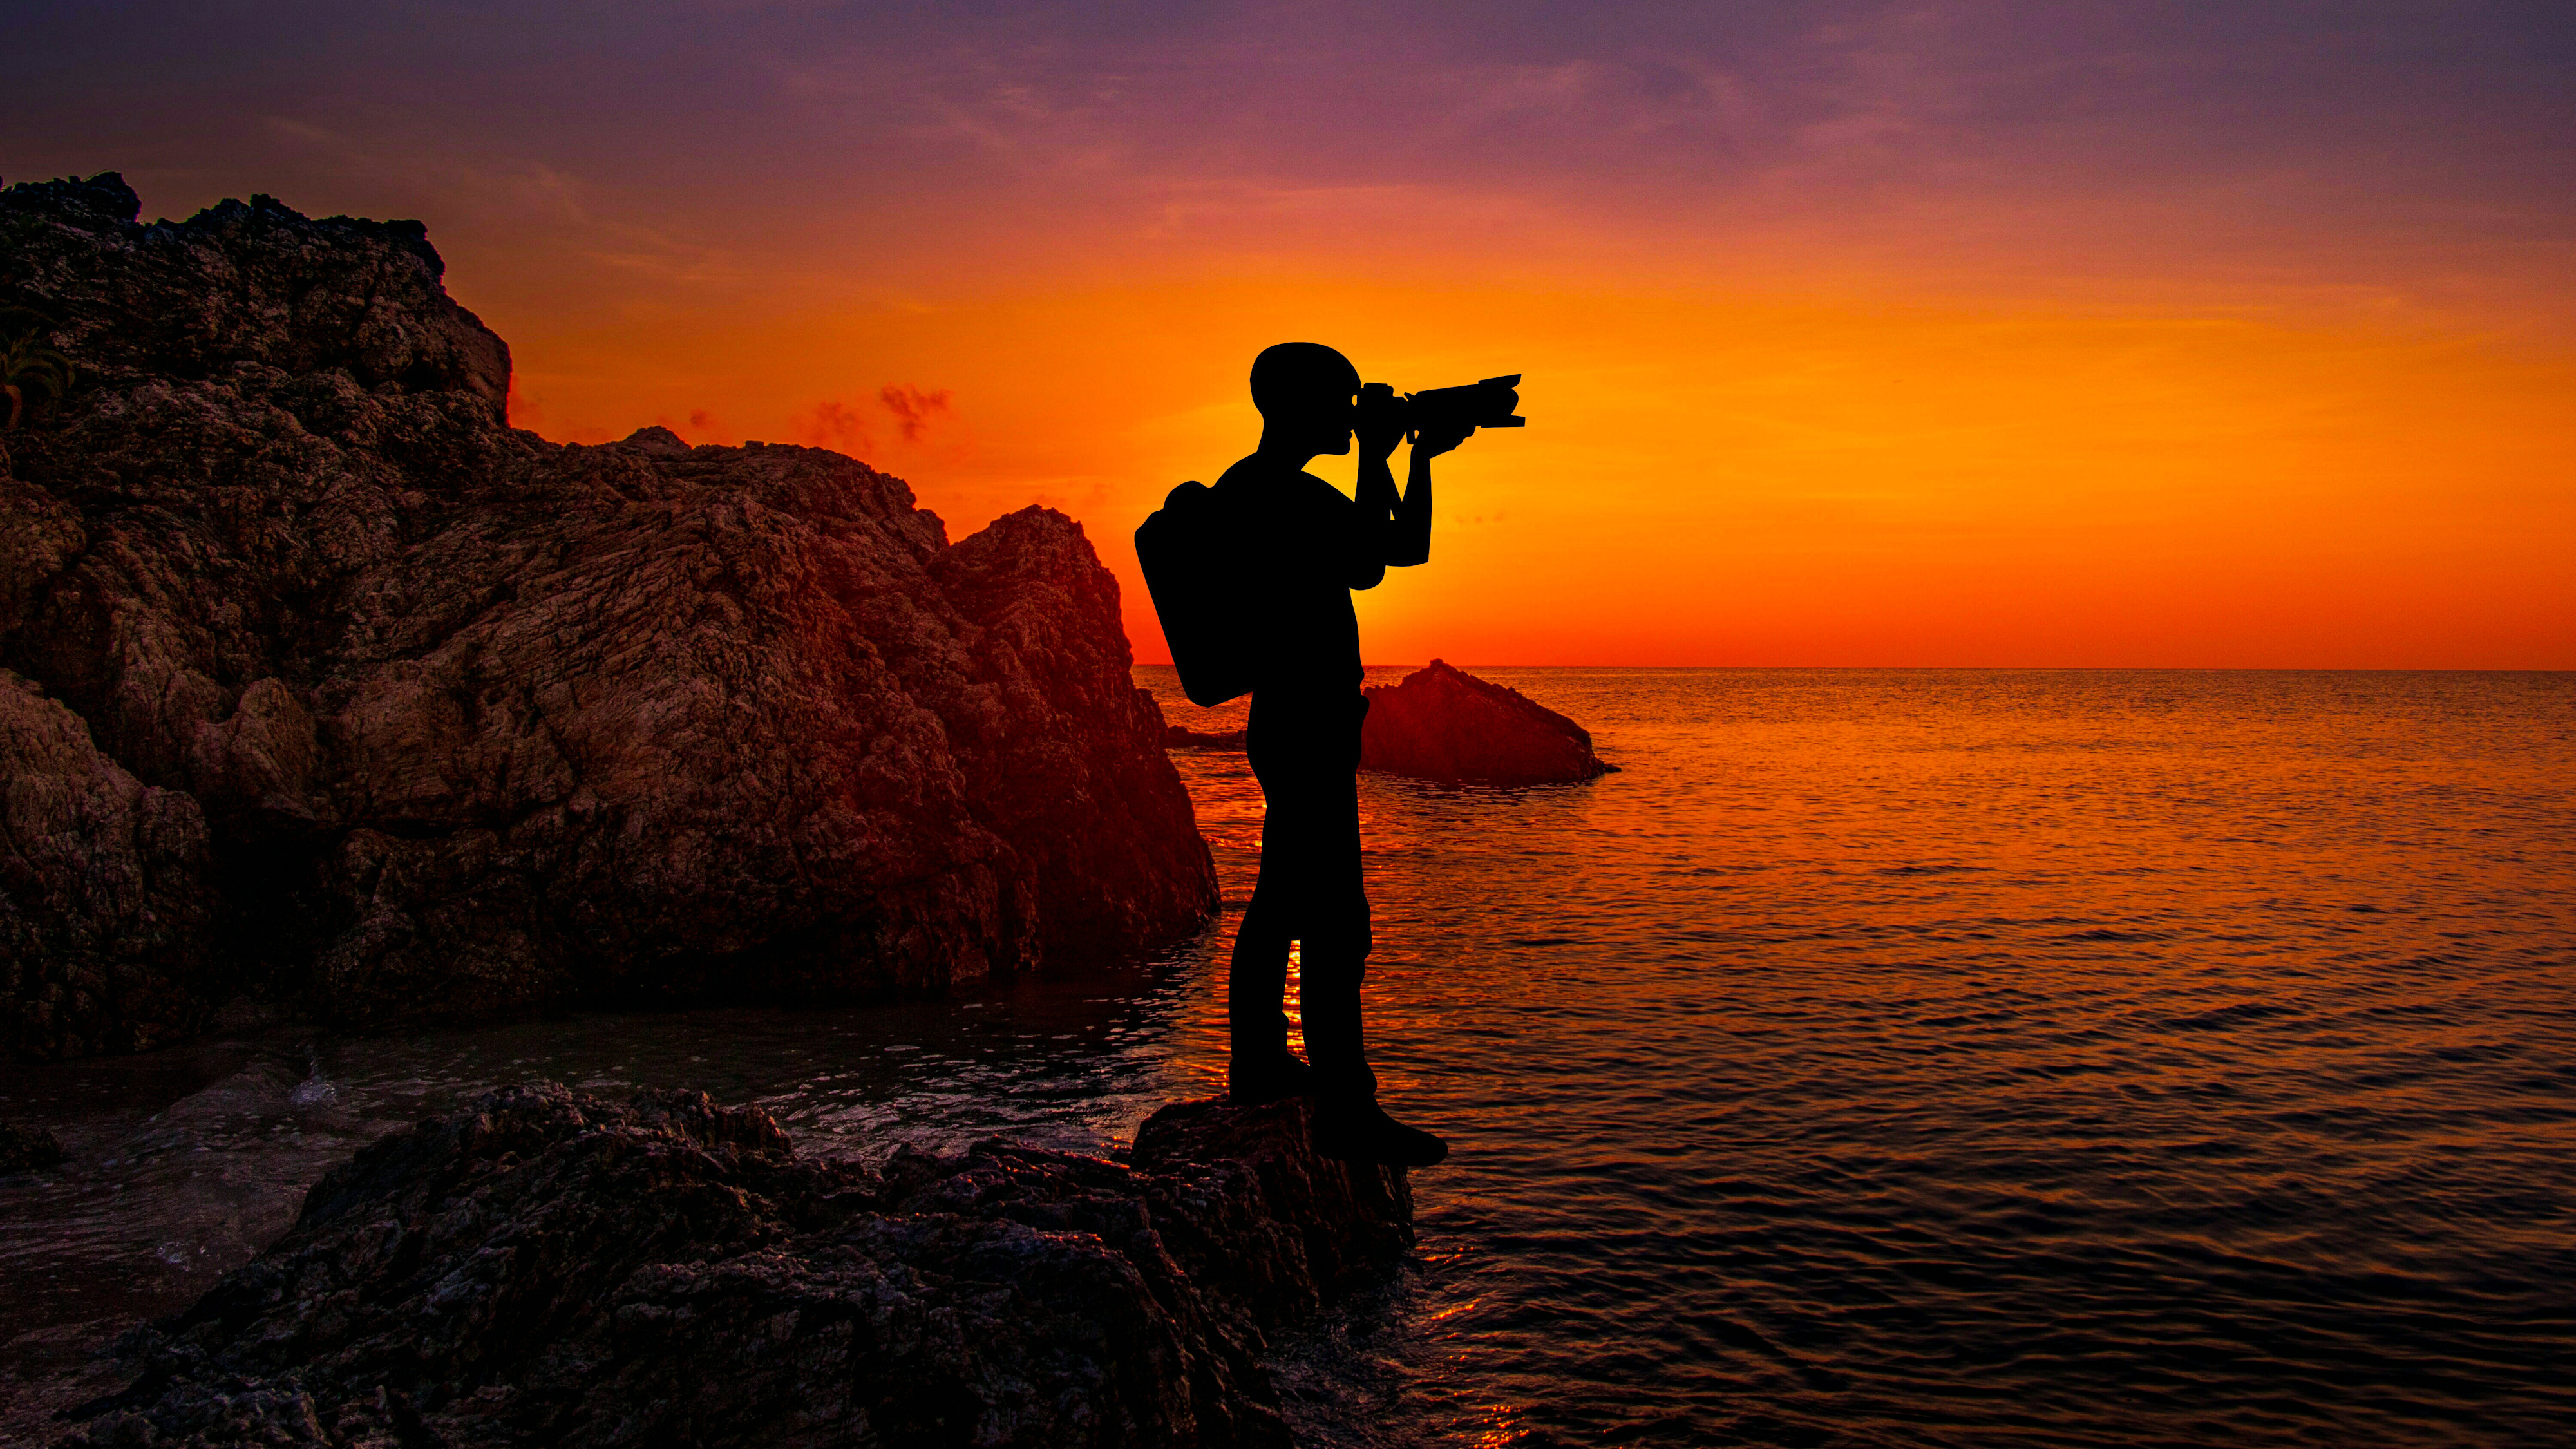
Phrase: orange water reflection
pixel 1872 1024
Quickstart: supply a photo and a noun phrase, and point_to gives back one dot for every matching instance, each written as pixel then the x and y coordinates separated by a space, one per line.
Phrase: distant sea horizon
pixel 1472 666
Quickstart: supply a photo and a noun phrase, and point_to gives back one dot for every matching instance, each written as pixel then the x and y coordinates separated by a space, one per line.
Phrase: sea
pixel 1878 1057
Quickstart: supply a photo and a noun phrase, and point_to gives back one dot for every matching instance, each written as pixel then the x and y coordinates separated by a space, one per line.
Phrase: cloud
pixel 703 426
pixel 520 187
pixel 520 193
pixel 912 407
pixel 833 424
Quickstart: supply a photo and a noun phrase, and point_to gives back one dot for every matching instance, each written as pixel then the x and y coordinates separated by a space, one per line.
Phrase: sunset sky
pixel 1938 334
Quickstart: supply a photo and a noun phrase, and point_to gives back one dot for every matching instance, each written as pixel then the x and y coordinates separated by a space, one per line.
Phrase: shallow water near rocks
pixel 1881 1057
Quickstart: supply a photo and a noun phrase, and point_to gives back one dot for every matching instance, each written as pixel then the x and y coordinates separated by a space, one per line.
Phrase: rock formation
pixel 547 1268
pixel 1441 723
pixel 1182 737
pixel 324 684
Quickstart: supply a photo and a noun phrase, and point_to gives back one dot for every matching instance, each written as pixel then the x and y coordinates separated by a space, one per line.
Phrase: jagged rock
pixel 476 722
pixel 547 1268
pixel 1182 737
pixel 103 880
pixel 1442 723
pixel 242 282
pixel 22 1148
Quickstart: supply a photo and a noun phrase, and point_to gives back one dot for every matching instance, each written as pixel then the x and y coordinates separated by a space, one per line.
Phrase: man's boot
pixel 1356 1129
pixel 1349 1125
pixel 1262 1070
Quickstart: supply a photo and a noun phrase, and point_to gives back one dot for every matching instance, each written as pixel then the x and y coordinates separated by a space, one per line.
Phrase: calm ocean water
pixel 1879 1058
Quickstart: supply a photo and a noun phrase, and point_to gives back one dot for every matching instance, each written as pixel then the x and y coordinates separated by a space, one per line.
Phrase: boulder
pixel 466 722
pixel 1442 723
pixel 549 1268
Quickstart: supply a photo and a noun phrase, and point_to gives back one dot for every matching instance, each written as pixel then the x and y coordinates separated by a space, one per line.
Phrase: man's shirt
pixel 1304 548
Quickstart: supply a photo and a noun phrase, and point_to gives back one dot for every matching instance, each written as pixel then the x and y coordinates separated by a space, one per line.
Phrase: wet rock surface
pixel 25 1148
pixel 1442 723
pixel 548 1268
pixel 326 686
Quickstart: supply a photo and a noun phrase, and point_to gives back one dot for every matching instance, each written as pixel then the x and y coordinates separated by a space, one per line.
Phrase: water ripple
pixel 1879 1058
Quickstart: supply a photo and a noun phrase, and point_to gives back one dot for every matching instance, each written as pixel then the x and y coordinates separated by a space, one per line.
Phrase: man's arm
pixel 1408 536
pixel 1375 542
pixel 1408 531
pixel 1394 532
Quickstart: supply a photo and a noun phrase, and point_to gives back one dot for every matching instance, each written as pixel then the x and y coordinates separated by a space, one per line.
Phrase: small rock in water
pixel 1442 723
pixel 1182 737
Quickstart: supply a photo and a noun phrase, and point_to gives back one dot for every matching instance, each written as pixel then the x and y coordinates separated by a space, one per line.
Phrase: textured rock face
pixel 552 1269
pixel 464 721
pixel 1441 723
pixel 104 940
pixel 255 283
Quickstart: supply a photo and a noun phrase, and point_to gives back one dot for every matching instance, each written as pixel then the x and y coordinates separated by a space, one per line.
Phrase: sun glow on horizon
pixel 1876 334
pixel 1757 480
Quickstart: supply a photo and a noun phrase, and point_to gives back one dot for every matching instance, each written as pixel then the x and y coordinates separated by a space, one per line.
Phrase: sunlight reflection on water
pixel 1987 1057
pixel 1882 1057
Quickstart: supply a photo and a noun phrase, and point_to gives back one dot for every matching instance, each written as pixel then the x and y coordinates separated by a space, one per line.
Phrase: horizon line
pixel 2004 668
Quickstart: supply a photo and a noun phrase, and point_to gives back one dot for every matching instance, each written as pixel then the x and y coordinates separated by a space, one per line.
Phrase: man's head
pixel 1306 393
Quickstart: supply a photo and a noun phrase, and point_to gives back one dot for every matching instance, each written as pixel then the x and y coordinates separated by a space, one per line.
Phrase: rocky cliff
pixel 546 1268
pixel 320 682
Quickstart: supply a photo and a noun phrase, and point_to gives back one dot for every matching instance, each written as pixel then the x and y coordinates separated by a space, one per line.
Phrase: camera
pixel 1486 404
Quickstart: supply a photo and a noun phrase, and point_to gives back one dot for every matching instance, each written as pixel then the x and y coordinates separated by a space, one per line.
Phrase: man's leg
pixel 1336 1039
pixel 1333 929
pixel 1259 1066
pixel 1349 1124
pixel 1334 937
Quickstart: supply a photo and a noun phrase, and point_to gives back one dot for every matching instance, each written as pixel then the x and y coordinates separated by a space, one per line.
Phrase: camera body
pixel 1490 403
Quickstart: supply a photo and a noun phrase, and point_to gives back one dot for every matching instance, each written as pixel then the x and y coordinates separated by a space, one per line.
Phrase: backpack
pixel 1192 559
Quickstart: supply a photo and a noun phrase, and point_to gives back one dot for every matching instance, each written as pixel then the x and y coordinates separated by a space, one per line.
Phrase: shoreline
pixel 186 1161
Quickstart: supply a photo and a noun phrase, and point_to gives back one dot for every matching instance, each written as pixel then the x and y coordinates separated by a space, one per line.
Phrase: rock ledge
pixel 546 1268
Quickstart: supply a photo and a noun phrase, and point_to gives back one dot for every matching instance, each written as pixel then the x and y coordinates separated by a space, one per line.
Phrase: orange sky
pixel 1764 480
pixel 1852 335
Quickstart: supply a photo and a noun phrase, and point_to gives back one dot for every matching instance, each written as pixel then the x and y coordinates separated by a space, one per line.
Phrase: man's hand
pixel 1376 424
pixel 1432 442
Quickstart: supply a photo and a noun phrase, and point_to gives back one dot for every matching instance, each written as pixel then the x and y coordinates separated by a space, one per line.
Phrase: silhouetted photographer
pixel 1253 582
